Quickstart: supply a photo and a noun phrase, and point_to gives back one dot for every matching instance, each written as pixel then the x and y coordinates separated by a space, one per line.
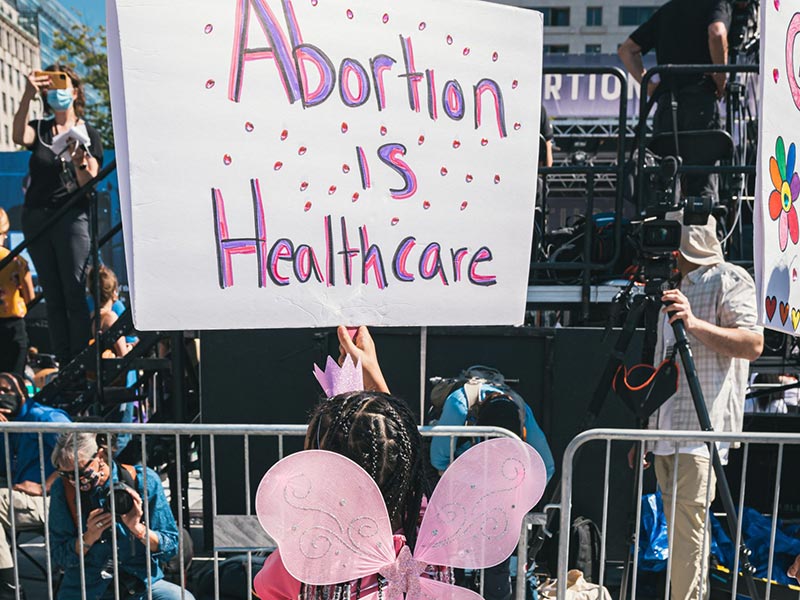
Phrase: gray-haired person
pixel 97 473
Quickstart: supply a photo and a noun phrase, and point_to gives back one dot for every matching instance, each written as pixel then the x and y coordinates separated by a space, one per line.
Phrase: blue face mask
pixel 59 100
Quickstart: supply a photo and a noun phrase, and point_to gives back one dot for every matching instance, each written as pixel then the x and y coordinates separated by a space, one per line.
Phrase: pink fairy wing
pixel 475 514
pixel 436 590
pixel 432 590
pixel 327 516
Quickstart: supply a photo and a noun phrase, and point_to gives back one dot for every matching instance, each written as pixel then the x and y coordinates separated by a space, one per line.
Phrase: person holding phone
pixel 61 255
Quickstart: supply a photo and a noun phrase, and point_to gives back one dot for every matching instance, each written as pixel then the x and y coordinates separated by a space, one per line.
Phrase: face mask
pixel 10 401
pixel 59 100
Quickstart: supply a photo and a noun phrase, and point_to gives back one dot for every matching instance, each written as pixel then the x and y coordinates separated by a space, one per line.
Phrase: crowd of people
pixel 715 300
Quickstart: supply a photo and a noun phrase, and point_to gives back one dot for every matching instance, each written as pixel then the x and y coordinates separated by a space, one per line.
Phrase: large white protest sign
pixel 776 229
pixel 314 162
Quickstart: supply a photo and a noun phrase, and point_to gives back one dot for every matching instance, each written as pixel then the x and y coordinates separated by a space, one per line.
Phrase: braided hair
pixel 379 433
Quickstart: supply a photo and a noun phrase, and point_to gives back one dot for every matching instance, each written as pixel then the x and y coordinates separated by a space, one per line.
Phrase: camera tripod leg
pixel 685 351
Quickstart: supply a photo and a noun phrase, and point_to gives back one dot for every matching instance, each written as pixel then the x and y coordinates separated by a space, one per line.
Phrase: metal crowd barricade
pixel 175 432
pixel 676 439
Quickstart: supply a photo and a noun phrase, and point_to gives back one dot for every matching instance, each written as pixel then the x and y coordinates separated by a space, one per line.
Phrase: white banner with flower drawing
pixel 776 229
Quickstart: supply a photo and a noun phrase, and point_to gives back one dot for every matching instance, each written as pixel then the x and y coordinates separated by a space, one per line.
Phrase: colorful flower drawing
pixel 783 197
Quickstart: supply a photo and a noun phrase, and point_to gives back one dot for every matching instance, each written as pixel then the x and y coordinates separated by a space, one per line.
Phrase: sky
pixel 93 11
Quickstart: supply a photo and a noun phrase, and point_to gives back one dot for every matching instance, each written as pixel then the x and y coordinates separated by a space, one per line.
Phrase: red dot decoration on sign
pixel 468 178
pixel 383 130
pixel 345 168
pixel 304 186
pixel 355 197
pixel 395 221
pixel 443 171
pixel 307 207
pixel 284 135
pixel 302 150
pixel 426 205
pixel 777 4
pixel 495 56
pixel 464 205
pixel 349 14
pixel 449 40
pixel 248 127
pixel 421 140
pixel 465 51
pixel 331 190
pixel 227 159
pixel 344 127
pixel 208 29
pixel 422 26
pixel 277 166
pixel 385 18
pixel 484 141
pixel 314 2
pixel 210 84
pixel 514 84
pixel 517 126
pixel 497 179
pixel 456 144
pixel 775 75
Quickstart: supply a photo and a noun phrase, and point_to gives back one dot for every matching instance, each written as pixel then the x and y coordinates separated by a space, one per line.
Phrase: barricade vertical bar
pixel 566 509
pixel 775 503
pixel 11 515
pixel 280 446
pixel 671 527
pixel 79 510
pixel 114 549
pixel 637 531
pixel 48 559
pixel 604 523
pixel 706 526
pixel 248 511
pixel 423 363
pixel 212 451
pixel 146 506
pixel 735 574
pixel 179 471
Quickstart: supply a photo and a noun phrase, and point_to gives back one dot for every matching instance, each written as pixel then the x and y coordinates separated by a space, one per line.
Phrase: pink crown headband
pixel 337 380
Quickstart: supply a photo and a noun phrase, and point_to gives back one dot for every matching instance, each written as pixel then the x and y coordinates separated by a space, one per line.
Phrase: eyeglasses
pixel 70 475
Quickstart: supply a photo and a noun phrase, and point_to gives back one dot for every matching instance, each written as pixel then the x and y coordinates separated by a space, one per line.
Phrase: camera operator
pixel 717 303
pixel 98 478
pixel 693 32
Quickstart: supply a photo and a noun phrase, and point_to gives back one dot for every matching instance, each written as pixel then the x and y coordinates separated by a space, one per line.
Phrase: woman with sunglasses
pixel 95 475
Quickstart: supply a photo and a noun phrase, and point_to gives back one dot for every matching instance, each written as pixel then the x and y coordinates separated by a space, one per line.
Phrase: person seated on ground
pixel 26 469
pixel 16 292
pixel 378 432
pixel 486 404
pixel 96 472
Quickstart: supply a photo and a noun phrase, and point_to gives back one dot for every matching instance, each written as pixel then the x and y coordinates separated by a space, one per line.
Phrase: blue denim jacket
pixel 131 553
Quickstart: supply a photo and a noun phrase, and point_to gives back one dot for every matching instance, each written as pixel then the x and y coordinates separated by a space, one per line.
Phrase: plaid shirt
pixel 724 295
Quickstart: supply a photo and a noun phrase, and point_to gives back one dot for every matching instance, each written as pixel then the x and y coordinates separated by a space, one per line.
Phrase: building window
pixel 5 103
pixel 13 104
pixel 2 70
pixel 635 15
pixel 19 80
pixel 556 48
pixel 594 16
pixel 593 49
pixel 555 17
pixel 5 132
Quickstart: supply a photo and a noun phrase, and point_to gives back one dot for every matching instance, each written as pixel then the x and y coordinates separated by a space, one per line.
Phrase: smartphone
pixel 58 79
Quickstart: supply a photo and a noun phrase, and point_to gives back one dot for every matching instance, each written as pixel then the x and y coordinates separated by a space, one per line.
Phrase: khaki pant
pixel 690 543
pixel 28 514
